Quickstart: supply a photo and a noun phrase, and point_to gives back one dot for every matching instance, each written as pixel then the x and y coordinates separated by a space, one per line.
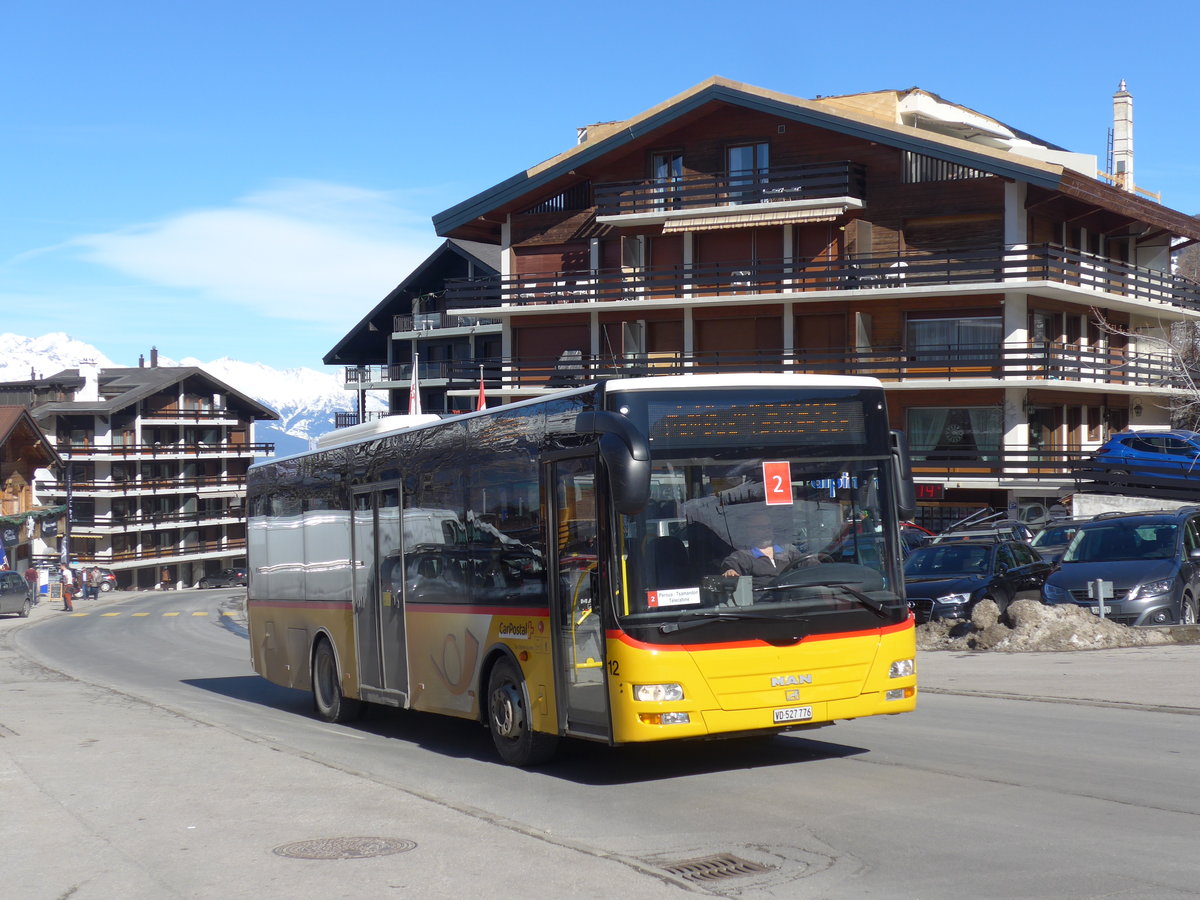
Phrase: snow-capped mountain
pixel 305 399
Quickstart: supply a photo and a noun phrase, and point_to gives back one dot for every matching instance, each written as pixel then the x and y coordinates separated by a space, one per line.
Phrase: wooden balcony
pixel 88 450
pixel 999 364
pixel 221 484
pixel 695 192
pixel 396 375
pixel 438 321
pixel 1004 267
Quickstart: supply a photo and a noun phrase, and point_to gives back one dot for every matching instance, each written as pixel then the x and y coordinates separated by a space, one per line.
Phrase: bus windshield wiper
pixel 869 602
pixel 704 618
pixel 857 596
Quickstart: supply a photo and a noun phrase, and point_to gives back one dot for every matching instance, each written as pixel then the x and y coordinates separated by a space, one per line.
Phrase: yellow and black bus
pixel 639 559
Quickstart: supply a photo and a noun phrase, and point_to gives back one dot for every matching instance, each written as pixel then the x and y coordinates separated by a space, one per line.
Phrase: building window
pixel 747 164
pixel 954 338
pixel 955 435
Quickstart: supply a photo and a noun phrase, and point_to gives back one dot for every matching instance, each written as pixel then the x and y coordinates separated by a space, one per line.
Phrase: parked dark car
pixel 1151 562
pixel 15 596
pixel 1136 456
pixel 1052 541
pixel 224 578
pixel 947 580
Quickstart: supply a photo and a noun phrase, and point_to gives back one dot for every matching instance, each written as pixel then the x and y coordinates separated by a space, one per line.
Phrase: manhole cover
pixel 714 868
pixel 344 848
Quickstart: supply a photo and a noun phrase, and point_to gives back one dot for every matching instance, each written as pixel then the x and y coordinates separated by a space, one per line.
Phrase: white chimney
pixel 1123 138
pixel 90 373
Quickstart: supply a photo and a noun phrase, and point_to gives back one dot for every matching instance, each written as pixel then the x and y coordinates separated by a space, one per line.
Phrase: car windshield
pixel 942 560
pixel 1057 534
pixel 1118 541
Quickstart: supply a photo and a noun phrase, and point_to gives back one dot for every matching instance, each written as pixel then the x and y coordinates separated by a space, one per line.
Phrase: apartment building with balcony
pixel 1004 289
pixel 414 324
pixel 153 471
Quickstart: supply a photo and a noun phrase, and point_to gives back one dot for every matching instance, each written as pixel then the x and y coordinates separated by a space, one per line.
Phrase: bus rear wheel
pixel 509 719
pixel 328 700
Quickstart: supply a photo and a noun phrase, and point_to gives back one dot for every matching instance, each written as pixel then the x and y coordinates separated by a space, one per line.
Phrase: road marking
pixel 107 615
pixel 171 614
pixel 200 613
pixel 139 614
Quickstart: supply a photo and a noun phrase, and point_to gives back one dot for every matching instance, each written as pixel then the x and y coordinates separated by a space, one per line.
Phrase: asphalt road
pixel 140 757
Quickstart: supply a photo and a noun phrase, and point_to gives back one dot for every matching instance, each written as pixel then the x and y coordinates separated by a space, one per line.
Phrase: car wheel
pixel 509 719
pixel 328 699
pixel 1003 607
pixel 26 608
pixel 1118 477
pixel 1187 611
pixel 105 587
pixel 203 585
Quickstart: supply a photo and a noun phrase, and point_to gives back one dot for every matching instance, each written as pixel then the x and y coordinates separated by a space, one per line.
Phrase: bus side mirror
pixel 626 457
pixel 906 490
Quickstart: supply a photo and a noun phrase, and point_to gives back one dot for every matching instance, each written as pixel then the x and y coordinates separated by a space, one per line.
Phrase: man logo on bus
pixel 785 680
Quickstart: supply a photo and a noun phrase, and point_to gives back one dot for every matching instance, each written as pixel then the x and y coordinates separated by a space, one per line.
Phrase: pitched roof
pixel 122 387
pixel 366 342
pixel 15 419
pixel 828 114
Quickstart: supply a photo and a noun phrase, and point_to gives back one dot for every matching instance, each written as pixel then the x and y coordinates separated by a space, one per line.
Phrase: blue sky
pixel 249 179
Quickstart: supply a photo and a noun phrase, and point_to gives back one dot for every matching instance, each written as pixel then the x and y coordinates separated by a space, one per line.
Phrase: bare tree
pixel 1180 342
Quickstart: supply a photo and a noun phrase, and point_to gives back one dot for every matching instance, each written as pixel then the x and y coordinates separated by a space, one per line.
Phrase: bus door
pixel 379 590
pixel 576 612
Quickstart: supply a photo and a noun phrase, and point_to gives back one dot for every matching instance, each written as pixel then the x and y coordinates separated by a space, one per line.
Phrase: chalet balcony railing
pixel 652 195
pixel 1010 362
pixel 396 373
pixel 157 520
pixel 190 415
pixel 77 450
pixel 1042 262
pixel 437 320
pixel 144 485
pixel 231 545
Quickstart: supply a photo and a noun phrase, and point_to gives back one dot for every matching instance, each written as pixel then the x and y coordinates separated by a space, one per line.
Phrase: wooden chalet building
pixel 412 324
pixel 1004 292
pixel 28 529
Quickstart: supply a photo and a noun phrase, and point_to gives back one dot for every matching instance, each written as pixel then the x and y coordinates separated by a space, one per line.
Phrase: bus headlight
pixel 657 692
pixel 902 668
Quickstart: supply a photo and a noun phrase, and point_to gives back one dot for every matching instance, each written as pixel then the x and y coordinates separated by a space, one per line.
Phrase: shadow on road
pixel 578 761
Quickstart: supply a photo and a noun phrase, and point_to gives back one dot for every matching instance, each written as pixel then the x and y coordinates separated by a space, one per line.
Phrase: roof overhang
pixel 717 91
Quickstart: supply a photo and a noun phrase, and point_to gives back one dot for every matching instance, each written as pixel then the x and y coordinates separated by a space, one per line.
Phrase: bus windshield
pixel 750 527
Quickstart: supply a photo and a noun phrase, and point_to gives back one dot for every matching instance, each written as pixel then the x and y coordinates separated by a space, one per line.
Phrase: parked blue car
pixel 1131 456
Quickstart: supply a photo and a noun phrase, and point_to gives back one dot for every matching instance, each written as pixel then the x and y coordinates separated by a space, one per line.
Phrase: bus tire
pixel 328 700
pixel 509 719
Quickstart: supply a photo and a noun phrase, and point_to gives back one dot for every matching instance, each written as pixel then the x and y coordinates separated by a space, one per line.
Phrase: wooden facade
pixel 965 276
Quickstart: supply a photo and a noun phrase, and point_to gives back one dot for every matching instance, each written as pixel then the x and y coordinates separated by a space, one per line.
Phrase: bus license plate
pixel 793 714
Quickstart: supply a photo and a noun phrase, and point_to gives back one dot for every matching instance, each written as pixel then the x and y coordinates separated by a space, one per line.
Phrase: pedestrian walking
pixel 31 579
pixel 166 579
pixel 92 586
pixel 68 588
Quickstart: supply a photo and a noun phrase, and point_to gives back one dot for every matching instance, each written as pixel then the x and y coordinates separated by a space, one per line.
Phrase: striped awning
pixel 751 219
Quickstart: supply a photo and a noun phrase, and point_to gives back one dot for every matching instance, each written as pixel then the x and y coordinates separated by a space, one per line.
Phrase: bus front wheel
pixel 328 700
pixel 509 719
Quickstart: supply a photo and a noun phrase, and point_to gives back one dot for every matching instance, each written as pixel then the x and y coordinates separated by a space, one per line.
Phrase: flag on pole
pixel 414 393
pixel 482 402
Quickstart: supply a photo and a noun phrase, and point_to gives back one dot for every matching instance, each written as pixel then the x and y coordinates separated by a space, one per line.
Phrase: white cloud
pixel 299 250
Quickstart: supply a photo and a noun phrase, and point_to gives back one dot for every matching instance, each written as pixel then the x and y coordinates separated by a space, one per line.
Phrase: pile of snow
pixel 1033 626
